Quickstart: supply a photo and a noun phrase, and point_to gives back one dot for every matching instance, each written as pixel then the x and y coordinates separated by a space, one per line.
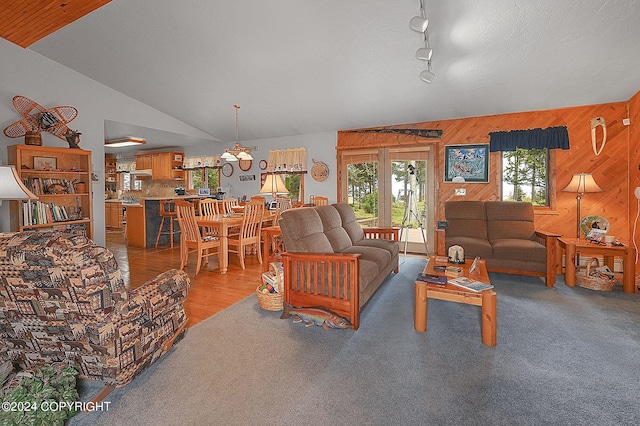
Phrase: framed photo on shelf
pixel 470 162
pixel 45 163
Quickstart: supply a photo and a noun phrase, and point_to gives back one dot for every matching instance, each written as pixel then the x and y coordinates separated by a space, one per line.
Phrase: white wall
pixel 23 72
pixel 320 147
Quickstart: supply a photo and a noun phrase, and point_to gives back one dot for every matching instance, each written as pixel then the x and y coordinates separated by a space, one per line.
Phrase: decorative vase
pixel 33 138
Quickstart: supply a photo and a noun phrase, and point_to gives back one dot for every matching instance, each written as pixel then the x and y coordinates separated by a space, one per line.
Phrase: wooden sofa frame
pixel 341 271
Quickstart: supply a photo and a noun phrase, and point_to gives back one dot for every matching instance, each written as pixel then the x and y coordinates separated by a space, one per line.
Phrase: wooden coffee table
pixel 485 299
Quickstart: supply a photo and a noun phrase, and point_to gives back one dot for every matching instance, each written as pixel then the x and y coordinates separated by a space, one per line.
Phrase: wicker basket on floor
pixel 269 301
pixel 272 301
pixel 594 280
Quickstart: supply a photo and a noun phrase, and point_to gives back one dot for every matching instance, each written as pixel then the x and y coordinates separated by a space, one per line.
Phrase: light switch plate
pixel 461 191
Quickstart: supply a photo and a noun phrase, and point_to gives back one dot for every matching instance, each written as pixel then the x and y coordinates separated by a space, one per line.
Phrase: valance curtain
pixel 292 160
pixel 550 138
pixel 200 162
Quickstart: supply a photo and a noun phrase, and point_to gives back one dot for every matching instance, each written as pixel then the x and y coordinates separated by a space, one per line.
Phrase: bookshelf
pixel 61 178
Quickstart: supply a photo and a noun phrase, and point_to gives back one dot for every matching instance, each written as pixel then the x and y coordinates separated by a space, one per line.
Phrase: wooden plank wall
pixel 610 169
pixel 25 22
pixel 634 166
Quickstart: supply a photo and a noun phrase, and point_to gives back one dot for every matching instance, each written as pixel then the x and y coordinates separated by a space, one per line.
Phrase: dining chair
pixel 210 207
pixel 249 234
pixel 282 204
pixel 319 200
pixel 259 198
pixel 228 203
pixel 191 239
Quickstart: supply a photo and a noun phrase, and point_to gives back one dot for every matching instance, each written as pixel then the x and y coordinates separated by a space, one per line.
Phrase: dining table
pixel 225 222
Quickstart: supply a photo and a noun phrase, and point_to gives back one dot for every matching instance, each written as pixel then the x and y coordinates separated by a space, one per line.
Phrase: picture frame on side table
pixel 470 162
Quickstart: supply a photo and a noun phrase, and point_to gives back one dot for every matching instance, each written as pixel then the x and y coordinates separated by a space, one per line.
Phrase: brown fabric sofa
pixel 503 234
pixel 331 261
pixel 63 300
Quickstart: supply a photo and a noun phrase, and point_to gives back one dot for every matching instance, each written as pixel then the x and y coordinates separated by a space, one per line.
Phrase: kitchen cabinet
pixel 113 215
pixel 61 178
pixel 144 161
pixel 163 165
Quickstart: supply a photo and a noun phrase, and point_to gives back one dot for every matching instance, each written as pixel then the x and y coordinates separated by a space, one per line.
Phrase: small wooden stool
pixel 168 211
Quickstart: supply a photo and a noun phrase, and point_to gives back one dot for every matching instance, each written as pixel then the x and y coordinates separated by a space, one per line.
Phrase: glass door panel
pixel 412 200
pixel 362 191
pixel 392 187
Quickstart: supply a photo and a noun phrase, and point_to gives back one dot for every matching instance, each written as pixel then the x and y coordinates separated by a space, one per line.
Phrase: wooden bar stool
pixel 168 211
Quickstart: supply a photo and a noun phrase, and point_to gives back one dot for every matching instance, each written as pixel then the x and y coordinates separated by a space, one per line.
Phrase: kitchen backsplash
pixel 159 188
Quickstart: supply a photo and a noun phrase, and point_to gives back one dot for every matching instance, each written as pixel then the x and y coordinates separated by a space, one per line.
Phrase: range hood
pixel 141 172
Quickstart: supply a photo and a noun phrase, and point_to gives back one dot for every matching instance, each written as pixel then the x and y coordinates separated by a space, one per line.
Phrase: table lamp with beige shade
pixel 274 185
pixel 581 183
pixel 11 187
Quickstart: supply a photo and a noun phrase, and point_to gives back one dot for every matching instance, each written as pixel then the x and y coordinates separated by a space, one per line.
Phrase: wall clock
pixel 244 165
pixel 227 169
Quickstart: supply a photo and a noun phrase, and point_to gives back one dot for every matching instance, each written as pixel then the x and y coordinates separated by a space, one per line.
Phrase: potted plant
pixel 43 396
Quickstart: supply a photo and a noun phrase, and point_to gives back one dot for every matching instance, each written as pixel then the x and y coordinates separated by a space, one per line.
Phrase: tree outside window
pixel 525 176
pixel 212 178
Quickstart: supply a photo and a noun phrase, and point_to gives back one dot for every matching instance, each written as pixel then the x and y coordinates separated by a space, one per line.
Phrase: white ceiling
pixel 309 66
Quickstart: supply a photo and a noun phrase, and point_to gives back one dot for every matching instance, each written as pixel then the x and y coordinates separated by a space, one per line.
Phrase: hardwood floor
pixel 210 292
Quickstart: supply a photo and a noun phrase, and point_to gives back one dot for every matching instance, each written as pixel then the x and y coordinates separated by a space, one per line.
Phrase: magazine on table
pixel 432 279
pixel 469 284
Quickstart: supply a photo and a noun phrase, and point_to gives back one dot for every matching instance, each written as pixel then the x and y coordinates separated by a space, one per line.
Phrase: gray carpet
pixel 565 356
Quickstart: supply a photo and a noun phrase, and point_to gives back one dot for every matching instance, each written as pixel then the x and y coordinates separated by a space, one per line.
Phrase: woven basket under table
pixel 594 280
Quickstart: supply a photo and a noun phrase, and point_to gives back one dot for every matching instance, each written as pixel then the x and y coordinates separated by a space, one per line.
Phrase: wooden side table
pixel 272 245
pixel 573 246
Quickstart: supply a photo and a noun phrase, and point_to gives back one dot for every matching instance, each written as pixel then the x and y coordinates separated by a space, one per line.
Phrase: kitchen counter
pixel 143 220
pixel 176 197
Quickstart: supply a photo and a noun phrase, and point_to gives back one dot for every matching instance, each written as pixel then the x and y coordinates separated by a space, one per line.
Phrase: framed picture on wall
pixel 469 162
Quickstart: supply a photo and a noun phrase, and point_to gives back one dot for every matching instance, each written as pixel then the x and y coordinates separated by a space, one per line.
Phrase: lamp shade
pixel 582 183
pixel 12 187
pixel 274 185
pixel 243 155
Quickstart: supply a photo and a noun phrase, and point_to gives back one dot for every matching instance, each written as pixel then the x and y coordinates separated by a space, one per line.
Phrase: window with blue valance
pixel 550 138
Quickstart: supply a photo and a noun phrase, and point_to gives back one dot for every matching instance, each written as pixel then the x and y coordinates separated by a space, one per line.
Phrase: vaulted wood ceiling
pixel 25 22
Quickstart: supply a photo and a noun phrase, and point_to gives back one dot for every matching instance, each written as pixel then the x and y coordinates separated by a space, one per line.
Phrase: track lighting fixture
pixel 424 53
pixel 420 24
pixel 427 76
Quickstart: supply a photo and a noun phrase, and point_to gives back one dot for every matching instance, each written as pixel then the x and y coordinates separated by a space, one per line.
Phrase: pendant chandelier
pixel 238 152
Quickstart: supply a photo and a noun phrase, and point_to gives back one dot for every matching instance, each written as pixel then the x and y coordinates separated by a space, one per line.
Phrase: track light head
pixel 419 24
pixel 424 53
pixel 427 76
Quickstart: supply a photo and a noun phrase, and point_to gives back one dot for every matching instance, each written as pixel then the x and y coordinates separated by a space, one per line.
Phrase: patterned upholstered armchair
pixel 63 299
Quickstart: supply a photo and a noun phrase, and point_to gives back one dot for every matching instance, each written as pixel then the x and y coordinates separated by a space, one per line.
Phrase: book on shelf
pixel 39 213
pixel 432 279
pixel 469 284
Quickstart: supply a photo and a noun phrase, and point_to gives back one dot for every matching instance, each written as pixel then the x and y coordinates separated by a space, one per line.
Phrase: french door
pixel 393 187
